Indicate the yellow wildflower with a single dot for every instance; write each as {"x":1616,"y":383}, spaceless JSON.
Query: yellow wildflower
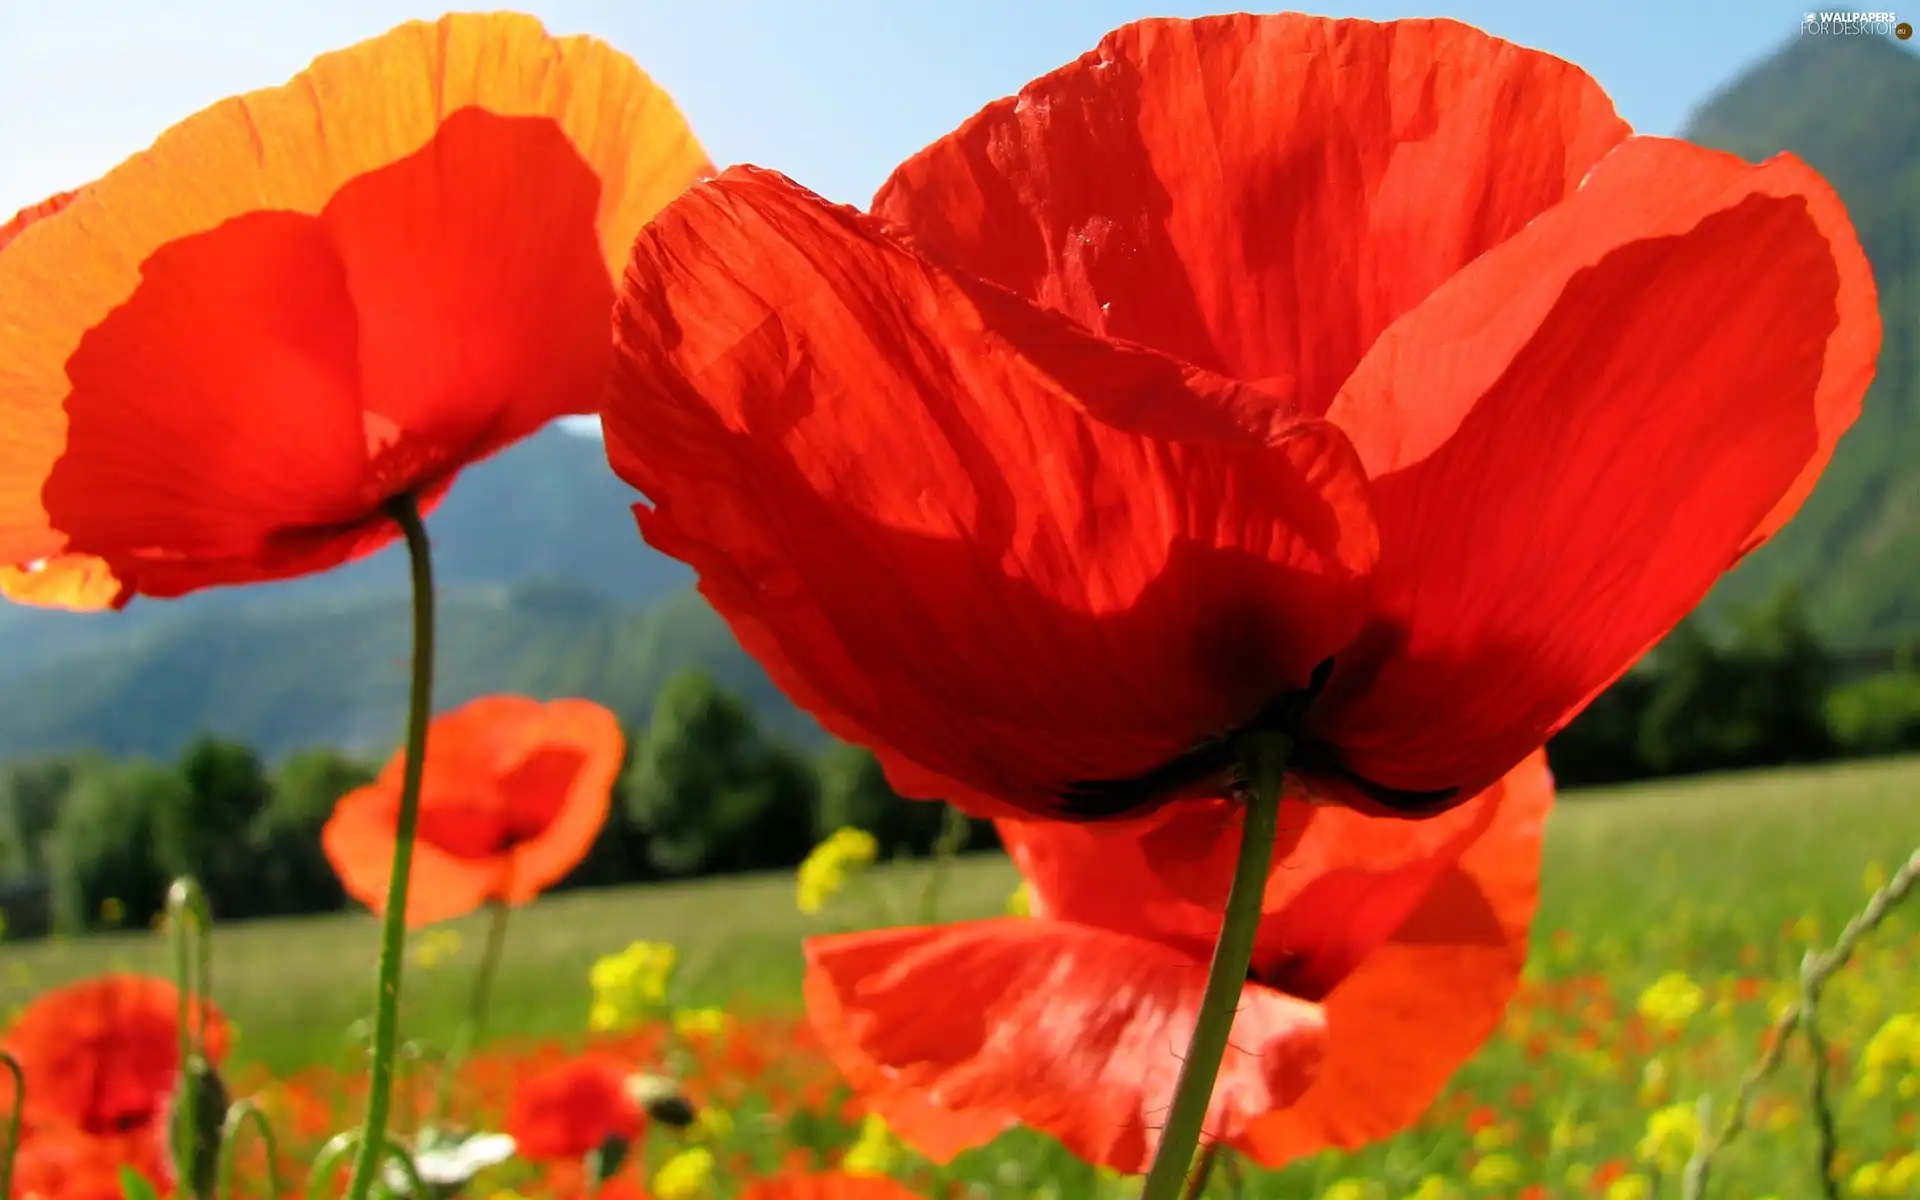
{"x":873,"y":1152}
{"x":1894,"y":1047}
{"x":1630,"y":1187}
{"x":1495,"y":1171}
{"x":826,"y":868}
{"x":1579,"y":1175}
{"x":1434,"y":1187}
{"x":1671,"y":1000}
{"x":1348,"y":1189}
{"x":713,"y":1125}
{"x":701,"y":1022}
{"x":1653,"y":1083}
{"x":1870,"y":1180}
{"x":1903,"y":1173}
{"x":688,"y":1175}
{"x":1672,"y":1133}
{"x":1020,"y":903}
{"x":628,"y":985}
{"x":1782,"y":1118}
{"x":1489,"y":1137}
{"x":436,"y":946}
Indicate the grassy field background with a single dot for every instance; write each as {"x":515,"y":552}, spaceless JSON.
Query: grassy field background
{"x":1721,"y":878}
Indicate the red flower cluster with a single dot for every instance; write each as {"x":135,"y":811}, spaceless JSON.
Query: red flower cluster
{"x":101,"y":1061}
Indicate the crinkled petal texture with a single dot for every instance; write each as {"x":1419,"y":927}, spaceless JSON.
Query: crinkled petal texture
{"x":1006,"y":553}
{"x":1586,"y":372}
{"x":1260,"y":196}
{"x":220,"y":360}
{"x":101,"y":1055}
{"x":514,"y":793}
{"x":1576,"y":435}
{"x":1066,"y":1028}
{"x":1423,"y":1001}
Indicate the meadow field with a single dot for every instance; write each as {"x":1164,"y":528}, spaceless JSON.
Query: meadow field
{"x":1672,"y":922}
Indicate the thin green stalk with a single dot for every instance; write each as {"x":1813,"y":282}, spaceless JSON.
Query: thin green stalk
{"x":1816,"y":968}
{"x":19,"y":1077}
{"x":393,"y":931}
{"x":954,"y":828}
{"x":239,"y":1115}
{"x":1265,"y":756}
{"x":1203,"y":1170}
{"x":470,"y":1029}
{"x":1828,"y":1144}
{"x":190,"y":926}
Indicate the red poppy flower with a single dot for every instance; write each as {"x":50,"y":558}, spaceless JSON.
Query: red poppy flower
{"x":219,"y":361}
{"x":1386,"y":956}
{"x":828,"y":1185}
{"x":1068,"y":462}
{"x":569,"y":1110}
{"x":57,"y":1163}
{"x":512,"y":796}
{"x":102,"y":1056}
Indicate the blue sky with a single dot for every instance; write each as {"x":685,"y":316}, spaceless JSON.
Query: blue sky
{"x":833,"y":92}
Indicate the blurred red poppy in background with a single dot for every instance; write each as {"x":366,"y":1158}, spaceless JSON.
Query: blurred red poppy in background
{"x":102,"y":1055}
{"x":513,"y":794}
{"x":1237,"y":346}
{"x":828,"y":1185}
{"x":569,"y":1110}
{"x":1385,"y":958}
{"x":219,"y":362}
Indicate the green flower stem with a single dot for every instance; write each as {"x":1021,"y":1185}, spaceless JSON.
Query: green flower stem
{"x":238,"y":1117}
{"x":19,"y":1077}
{"x":190,"y":926}
{"x":373,"y":1148}
{"x":1265,"y":756}
{"x":470,"y":1029}
{"x":954,"y":828}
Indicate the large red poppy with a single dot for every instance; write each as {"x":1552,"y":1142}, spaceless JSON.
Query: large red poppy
{"x":1073,"y":458}
{"x":513,"y":794}
{"x":102,"y":1056}
{"x":1386,"y":956}
{"x":221,"y":360}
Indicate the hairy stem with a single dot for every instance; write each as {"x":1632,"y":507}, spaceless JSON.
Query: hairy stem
{"x":470,"y":1029}
{"x":373,"y":1148}
{"x":1266,"y":756}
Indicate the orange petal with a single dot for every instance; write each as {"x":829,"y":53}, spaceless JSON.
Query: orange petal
{"x":1420,"y":1005}
{"x":1257,"y":195}
{"x":558,"y":794}
{"x":359,"y":840}
{"x":408,"y":250}
{"x":1072,"y":1030}
{"x":71,"y":581}
{"x":1572,"y":440}
{"x":1005,"y":553}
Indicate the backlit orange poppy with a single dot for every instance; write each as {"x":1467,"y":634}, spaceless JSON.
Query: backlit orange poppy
{"x":219,"y":361}
{"x":102,"y":1056}
{"x":566,"y":1111}
{"x":1368,"y":381}
{"x":1386,"y":955}
{"x":513,"y":794}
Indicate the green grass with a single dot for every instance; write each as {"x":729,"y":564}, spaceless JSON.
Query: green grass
{"x":1722,"y":878}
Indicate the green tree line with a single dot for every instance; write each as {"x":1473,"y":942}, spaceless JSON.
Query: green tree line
{"x":87,"y":840}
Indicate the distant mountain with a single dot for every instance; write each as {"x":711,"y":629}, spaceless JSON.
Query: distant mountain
{"x":1849,"y":106}
{"x":547,"y":588}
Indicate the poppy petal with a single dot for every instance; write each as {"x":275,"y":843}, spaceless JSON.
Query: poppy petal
{"x":409,"y":249}
{"x":828,"y":1185}
{"x":1422,"y":1003}
{"x":1572,"y":439}
{"x":1006,"y":554}
{"x":562,"y":791}
{"x":1072,"y":1030}
{"x":1256,"y":195}
{"x":358,"y":840}
{"x":71,"y":581}
{"x":938,"y":1133}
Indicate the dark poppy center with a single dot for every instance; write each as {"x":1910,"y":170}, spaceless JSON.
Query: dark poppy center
{"x":1222,"y":759}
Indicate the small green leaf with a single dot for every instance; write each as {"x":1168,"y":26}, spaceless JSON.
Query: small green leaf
{"x":134,"y":1185}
